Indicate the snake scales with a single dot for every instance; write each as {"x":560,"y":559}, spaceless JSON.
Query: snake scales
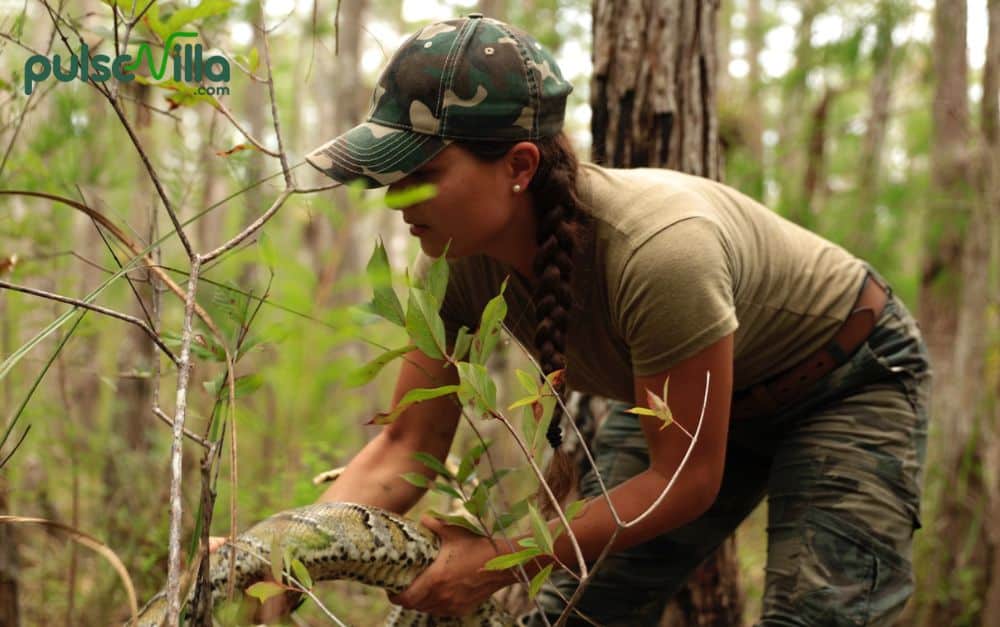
{"x":336,"y":541}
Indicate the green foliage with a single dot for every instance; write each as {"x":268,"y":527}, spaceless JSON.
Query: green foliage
{"x":385,"y":302}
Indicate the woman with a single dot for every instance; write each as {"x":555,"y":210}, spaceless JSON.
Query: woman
{"x":818,"y":375}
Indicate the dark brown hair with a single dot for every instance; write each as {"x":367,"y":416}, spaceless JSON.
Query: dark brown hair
{"x":562,"y":227}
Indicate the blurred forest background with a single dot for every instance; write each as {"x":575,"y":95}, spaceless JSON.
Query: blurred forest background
{"x":874,"y":123}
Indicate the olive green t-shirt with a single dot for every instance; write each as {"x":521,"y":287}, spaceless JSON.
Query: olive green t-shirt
{"x":675,"y":262}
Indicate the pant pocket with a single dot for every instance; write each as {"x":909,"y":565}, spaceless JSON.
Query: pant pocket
{"x":843,"y":576}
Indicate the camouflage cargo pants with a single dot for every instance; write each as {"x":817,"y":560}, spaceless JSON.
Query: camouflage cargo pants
{"x":842,"y":473}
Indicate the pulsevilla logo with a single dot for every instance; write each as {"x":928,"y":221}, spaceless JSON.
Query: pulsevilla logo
{"x":189,"y":65}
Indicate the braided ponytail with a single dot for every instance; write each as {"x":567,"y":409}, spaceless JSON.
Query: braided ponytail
{"x":561,"y":225}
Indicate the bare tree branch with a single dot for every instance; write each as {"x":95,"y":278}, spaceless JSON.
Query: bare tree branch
{"x":221,"y":108}
{"x":84,"y":305}
{"x":167,"y":420}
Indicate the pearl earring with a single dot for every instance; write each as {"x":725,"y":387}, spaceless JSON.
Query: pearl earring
{"x":517,"y":187}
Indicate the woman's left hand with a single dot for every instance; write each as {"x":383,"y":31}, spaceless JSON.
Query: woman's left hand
{"x":455,"y":584}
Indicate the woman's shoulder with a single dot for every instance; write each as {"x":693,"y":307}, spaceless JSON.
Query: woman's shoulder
{"x":633,"y":205}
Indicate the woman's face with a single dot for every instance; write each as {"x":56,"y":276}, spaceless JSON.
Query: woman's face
{"x":473,"y":206}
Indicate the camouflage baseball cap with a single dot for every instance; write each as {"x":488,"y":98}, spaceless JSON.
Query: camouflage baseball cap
{"x":471,"y":78}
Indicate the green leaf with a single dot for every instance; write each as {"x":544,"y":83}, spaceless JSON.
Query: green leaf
{"x":423,"y":323}
{"x":277,"y":564}
{"x":470,"y":459}
{"x":528,"y":382}
{"x":184,"y":94}
{"x":409,"y":196}
{"x":415,"y":395}
{"x":447,"y":490}
{"x":385,"y":303}
{"x":417,"y":479}
{"x":571,"y":513}
{"x":462,"y":342}
{"x":301,"y":573}
{"x":510,"y":560}
{"x":268,"y":252}
{"x":245,"y":385}
{"x":264,"y":590}
{"x":476,"y":505}
{"x":476,"y":386}
{"x":253,"y":60}
{"x":18,"y":28}
{"x":517,"y":511}
{"x":459,"y":521}
{"x":538,"y":581}
{"x":206,"y":8}
{"x":433,"y":463}
{"x":523,"y":402}
{"x":436,"y":280}
{"x":488,"y":333}
{"x":541,"y":530}
{"x":366,"y":373}
{"x":539,"y":442}
{"x":496,"y":477}
{"x":641,"y":411}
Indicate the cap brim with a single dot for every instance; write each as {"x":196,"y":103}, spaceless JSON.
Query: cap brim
{"x":377,"y":155}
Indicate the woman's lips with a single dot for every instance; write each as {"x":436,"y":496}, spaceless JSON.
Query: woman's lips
{"x":418,"y":229}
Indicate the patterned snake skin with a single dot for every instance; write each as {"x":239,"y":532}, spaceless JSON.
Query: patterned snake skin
{"x":336,"y":541}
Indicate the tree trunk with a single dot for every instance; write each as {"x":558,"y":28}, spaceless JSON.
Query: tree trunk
{"x":814,"y":182}
{"x":794,"y":127}
{"x":880,"y":98}
{"x":9,"y":611}
{"x":990,"y":208}
{"x":493,"y":8}
{"x":653,"y":101}
{"x":953,"y":309}
{"x":753,"y":115}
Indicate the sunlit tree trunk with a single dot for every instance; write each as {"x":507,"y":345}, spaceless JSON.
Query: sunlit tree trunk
{"x":335,"y":247}
{"x":653,"y":100}
{"x":989,"y":391}
{"x":880,"y":100}
{"x":794,"y":127}
{"x":953,"y":310}
{"x":753,"y":115}
{"x":814,"y":180}
{"x":493,"y":8}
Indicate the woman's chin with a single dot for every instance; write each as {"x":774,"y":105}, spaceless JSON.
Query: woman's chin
{"x":431,"y":248}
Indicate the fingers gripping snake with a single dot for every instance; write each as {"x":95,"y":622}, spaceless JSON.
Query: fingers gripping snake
{"x":335,"y":541}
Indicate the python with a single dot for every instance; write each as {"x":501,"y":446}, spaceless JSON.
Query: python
{"x":189,"y":66}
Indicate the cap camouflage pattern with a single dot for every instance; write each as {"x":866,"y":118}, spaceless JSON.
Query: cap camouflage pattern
{"x":472,"y":78}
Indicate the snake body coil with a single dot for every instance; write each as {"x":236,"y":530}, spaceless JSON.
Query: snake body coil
{"x":334,"y":541}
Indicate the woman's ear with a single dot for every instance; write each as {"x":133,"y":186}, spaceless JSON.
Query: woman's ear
{"x":522,"y":162}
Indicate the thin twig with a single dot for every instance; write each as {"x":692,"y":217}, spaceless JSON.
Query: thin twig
{"x":289,"y":181}
{"x":221,"y":108}
{"x":159,"y":413}
{"x":84,"y":305}
{"x":155,"y":178}
{"x":251,"y":229}
{"x":578,"y":593}
{"x":176,"y":449}
{"x":572,"y":422}
{"x":313,"y":190}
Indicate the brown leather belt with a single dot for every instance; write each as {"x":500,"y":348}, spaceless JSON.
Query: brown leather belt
{"x":791,"y":385}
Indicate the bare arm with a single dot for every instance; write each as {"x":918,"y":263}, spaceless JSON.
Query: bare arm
{"x":373,"y":476}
